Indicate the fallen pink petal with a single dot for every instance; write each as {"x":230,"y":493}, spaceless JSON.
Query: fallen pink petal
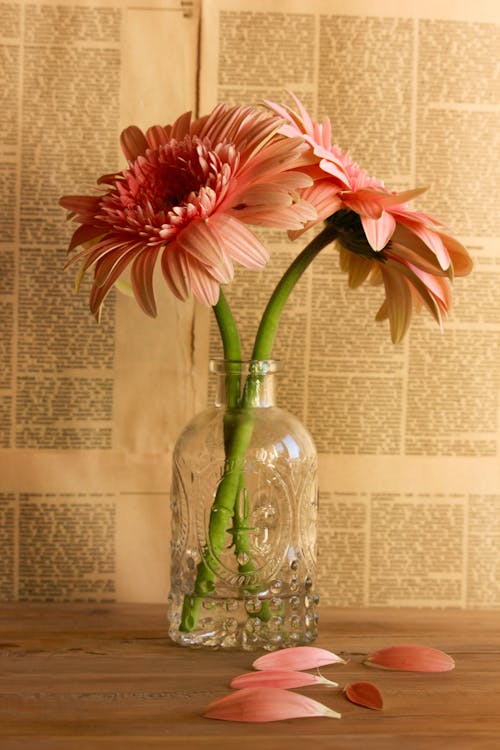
{"x":260,"y":704}
{"x":412,"y":658}
{"x":279,"y":678}
{"x":297,"y":658}
{"x":364,"y":694}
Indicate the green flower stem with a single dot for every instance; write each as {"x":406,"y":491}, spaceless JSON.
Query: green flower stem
{"x":238,"y":425}
{"x":220,"y":516}
{"x":243,"y":551}
{"x":236,"y":442}
{"x":272,"y":314}
{"x":231,"y":346}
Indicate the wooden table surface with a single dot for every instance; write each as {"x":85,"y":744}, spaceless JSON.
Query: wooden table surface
{"x":75,"y":677}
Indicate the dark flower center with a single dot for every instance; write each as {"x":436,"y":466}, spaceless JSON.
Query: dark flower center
{"x":352,"y":235}
{"x":172,"y":185}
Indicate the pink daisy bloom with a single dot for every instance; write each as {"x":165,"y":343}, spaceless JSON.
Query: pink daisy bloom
{"x":188,"y":193}
{"x":379,"y":236}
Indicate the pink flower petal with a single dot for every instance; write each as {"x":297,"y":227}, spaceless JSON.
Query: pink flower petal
{"x":239,"y":242}
{"x":142,"y":279}
{"x":84,"y":233}
{"x":398,"y":199}
{"x":411,"y":659}
{"x":202,"y":245}
{"x":365,"y":202}
{"x":364,"y":694}
{"x":157,"y":136}
{"x":176,"y":271}
{"x":461,"y":260}
{"x":258,"y":704}
{"x":84,"y":207}
{"x":430,"y":237}
{"x":203,"y":285}
{"x":398,"y":303}
{"x":324,"y":197}
{"x":379,"y":231}
{"x":297,"y":658}
{"x":279,"y":678}
{"x":133,"y":142}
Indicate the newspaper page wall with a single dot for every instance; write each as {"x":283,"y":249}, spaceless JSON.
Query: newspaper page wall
{"x":87,"y":421}
{"x":408,"y":435}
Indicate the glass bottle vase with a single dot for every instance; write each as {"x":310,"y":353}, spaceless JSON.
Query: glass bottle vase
{"x":244,"y":510}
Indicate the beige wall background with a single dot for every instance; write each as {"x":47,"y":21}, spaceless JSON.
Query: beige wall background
{"x":408,"y":436}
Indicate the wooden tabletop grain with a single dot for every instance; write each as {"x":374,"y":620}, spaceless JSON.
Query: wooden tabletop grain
{"x":95,"y":677}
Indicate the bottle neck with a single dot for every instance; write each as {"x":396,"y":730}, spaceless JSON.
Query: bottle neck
{"x":248,"y":383}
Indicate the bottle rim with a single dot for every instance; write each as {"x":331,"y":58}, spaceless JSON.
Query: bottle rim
{"x":221,"y":366}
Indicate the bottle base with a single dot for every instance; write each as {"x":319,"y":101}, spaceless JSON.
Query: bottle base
{"x":247,"y":624}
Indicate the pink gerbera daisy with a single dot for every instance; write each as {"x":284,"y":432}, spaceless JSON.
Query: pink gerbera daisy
{"x":188,"y":193}
{"x":379,"y":236}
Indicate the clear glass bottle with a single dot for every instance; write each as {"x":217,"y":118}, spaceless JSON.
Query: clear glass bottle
{"x":244,"y":508}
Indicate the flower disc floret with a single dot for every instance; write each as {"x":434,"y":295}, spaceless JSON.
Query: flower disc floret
{"x":166,"y":188}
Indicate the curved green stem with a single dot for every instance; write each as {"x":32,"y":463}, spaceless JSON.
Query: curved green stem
{"x":236,"y":438}
{"x":221,"y":515}
{"x":231,"y":345}
{"x":272,"y":314}
{"x":238,"y":427}
{"x":227,"y":327}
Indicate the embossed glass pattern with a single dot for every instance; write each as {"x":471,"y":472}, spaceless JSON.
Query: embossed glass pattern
{"x":262,"y":593}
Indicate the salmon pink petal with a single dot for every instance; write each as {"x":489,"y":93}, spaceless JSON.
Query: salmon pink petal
{"x":324,"y":196}
{"x":239,"y":242}
{"x":331,"y":167}
{"x":430,"y":238}
{"x":297,"y":658}
{"x":304,"y":114}
{"x":259,"y":704}
{"x":181,"y":127}
{"x":157,"y":136}
{"x":142,"y":280}
{"x":101,"y":288}
{"x":433,"y":291}
{"x":199,"y":242}
{"x":365,"y":202}
{"x":379,"y":231}
{"x":399,"y":302}
{"x":84,"y":207}
{"x":84,"y":233}
{"x":279,"y":678}
{"x":409,"y":247}
{"x":397,"y":199}
{"x":364,"y":694}
{"x":204,"y":285}
{"x":411,"y":659}
{"x":133,"y":142}
{"x":358,"y":269}
{"x":437,"y":286}
{"x":297,"y":217}
{"x":176,"y":271}
{"x":460,"y":258}
{"x":107,"y":179}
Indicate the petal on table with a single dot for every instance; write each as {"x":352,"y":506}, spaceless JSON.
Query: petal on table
{"x":412,"y":658}
{"x":279,"y":678}
{"x":297,"y":658}
{"x":260,"y":704}
{"x":364,"y":694}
